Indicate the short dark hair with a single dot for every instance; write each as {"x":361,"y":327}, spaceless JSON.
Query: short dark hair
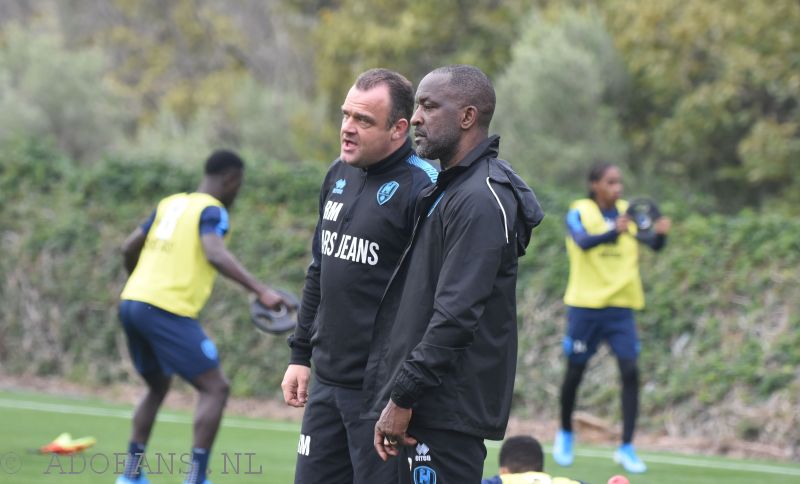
{"x":522,"y":454}
{"x":473,"y":87}
{"x":221,"y":161}
{"x":596,"y":172}
{"x":598,"y":169}
{"x":401,"y":91}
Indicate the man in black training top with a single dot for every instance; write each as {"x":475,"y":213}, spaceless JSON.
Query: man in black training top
{"x":366,"y":213}
{"x":443,"y":358}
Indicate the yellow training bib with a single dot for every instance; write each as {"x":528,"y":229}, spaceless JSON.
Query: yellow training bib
{"x":172,"y":272}
{"x":607,"y":274}
{"x":534,"y":478}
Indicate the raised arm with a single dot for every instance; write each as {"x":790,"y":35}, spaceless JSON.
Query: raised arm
{"x":581,"y":237}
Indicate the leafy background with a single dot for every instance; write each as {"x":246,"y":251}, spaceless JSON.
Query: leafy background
{"x":107,"y":106}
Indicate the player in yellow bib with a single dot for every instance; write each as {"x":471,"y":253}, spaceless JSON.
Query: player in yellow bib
{"x":603,"y":290}
{"x":173,"y":259}
{"x":522,"y":462}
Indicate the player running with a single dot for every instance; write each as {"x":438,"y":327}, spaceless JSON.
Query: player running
{"x":173,"y":259}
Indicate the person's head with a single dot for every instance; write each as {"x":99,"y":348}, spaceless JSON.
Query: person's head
{"x":605,"y":183}
{"x":375,"y":117}
{"x":224,"y":170}
{"x":455,"y":105}
{"x":521,"y":454}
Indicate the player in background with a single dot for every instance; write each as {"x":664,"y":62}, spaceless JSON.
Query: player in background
{"x":522,"y":462}
{"x":173,"y":259}
{"x":603,"y":290}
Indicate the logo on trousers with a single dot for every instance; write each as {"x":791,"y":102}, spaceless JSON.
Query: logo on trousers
{"x":424,"y":475}
{"x":304,"y":446}
{"x":422,"y":453}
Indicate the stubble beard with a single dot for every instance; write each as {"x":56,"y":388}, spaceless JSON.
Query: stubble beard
{"x":440,"y":148}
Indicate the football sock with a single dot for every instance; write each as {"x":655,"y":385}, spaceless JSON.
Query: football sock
{"x":197,"y":472}
{"x":133,"y":460}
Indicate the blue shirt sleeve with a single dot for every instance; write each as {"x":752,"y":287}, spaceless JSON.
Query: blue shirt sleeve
{"x":148,"y":223}
{"x":492,"y":480}
{"x":581,"y":237}
{"x":214,"y":219}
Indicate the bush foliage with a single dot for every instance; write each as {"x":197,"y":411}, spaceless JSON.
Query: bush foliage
{"x":107,"y":106}
{"x":719,"y":334}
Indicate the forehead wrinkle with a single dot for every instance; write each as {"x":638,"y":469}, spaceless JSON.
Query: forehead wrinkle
{"x":365,"y":106}
{"x":438,"y":88}
{"x":358,"y":114}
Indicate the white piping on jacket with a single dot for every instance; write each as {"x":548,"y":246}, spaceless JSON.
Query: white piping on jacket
{"x":505,"y":219}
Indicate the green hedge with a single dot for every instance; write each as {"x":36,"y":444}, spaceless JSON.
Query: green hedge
{"x":720,"y":334}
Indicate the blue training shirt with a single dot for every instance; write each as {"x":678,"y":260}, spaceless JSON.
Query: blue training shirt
{"x":212,"y":219}
{"x":586,"y":241}
{"x":583,"y":239}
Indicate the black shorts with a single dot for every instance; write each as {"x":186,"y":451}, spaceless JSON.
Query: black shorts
{"x":336,"y":446}
{"x":442,"y":457}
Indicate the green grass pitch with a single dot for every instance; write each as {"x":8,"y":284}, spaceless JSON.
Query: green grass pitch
{"x":254,"y":450}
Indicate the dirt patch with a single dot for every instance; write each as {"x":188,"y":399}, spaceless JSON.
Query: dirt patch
{"x":590,"y":428}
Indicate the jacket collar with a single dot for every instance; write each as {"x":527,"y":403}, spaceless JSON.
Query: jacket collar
{"x":488,"y":148}
{"x":383,"y":165}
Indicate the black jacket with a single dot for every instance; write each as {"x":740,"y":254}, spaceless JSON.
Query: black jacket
{"x":365,"y":221}
{"x":445,"y":339}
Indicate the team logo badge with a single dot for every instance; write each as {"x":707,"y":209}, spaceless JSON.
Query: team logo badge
{"x":209,"y":349}
{"x":386,"y":191}
{"x":339,"y":186}
{"x":424,"y":475}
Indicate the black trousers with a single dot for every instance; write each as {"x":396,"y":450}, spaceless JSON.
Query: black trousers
{"x":336,"y":446}
{"x":442,"y":457}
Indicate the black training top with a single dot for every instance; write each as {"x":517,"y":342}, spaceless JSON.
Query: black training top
{"x":445,"y":341}
{"x":365,"y":221}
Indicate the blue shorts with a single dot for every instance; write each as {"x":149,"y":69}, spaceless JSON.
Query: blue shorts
{"x":588,"y":327}
{"x":163,"y":343}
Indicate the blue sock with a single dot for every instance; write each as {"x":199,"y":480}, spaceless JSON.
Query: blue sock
{"x":197,"y":472}
{"x":133,"y":461}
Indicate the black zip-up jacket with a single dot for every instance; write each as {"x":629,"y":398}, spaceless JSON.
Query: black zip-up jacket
{"x":445,"y":340}
{"x":365,"y":221}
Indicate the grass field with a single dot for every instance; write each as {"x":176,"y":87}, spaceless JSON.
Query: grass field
{"x":253,"y":450}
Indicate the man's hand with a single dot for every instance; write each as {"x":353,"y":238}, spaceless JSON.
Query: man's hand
{"x":295,"y":385}
{"x":271,"y":299}
{"x":390,"y":431}
{"x":621,"y":223}
{"x":662,"y":225}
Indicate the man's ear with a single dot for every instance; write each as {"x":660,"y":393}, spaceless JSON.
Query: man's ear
{"x":400,"y":129}
{"x":503,"y":470}
{"x":469,"y":117}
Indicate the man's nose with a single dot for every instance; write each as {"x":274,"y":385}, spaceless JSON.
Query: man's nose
{"x":348,"y":125}
{"x":416,"y":118}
